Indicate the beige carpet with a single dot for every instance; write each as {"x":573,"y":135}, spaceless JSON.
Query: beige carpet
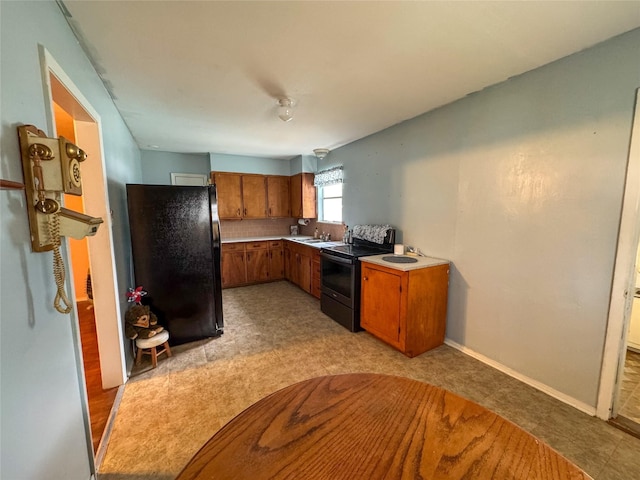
{"x":275,"y":335}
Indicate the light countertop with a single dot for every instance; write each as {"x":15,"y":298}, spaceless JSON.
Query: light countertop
{"x":422,"y":262}
{"x":264,"y":238}
{"x":302,"y":239}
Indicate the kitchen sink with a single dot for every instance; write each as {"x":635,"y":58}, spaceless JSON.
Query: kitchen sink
{"x":311,"y":240}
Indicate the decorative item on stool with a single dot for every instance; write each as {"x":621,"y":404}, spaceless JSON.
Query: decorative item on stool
{"x":149,"y":346}
{"x":141,"y":326}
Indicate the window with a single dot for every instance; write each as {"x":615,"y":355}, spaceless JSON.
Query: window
{"x":330,"y":201}
{"x":329,"y":183}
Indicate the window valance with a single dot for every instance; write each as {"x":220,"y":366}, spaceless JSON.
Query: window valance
{"x":328,"y":177}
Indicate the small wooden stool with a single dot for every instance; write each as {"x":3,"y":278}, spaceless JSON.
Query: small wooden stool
{"x":149,"y":346}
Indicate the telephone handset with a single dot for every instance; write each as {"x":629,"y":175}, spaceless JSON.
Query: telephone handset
{"x":51,"y":166}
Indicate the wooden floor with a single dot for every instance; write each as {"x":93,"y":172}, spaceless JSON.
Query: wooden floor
{"x":100,"y":401}
{"x":628,"y":418}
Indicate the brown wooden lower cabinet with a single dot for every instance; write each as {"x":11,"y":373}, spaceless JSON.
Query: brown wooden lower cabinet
{"x":234,"y":267}
{"x":298,"y":264}
{"x":406,"y":309}
{"x":246,"y":263}
{"x":257,"y":261}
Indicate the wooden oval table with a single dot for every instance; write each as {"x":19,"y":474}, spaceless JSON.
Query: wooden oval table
{"x":369,"y":426}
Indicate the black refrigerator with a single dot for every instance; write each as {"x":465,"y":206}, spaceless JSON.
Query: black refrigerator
{"x":175,"y":239}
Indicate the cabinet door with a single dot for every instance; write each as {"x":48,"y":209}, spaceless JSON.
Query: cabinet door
{"x":286,"y":250}
{"x":254,"y":196}
{"x":229,"y":187}
{"x":233,"y":268}
{"x":276,"y":260}
{"x":304,"y":273}
{"x":303,"y":196}
{"x":309,"y":196}
{"x":315,"y":274}
{"x":278,"y":201}
{"x":296,"y":196}
{"x":257,"y":265}
{"x":294,"y":270}
{"x":380,"y":306}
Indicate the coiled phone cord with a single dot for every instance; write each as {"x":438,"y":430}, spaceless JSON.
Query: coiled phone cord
{"x":58,"y":266}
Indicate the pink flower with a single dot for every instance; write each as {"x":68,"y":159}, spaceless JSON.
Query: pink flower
{"x":135,"y":295}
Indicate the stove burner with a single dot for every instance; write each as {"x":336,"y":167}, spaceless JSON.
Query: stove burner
{"x":355,"y":251}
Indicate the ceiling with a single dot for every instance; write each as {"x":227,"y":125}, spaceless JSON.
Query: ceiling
{"x":205,"y":76}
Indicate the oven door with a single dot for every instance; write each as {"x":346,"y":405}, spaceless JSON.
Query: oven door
{"x":337,"y":278}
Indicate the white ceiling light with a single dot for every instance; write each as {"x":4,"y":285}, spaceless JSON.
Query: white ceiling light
{"x":285,"y":110}
{"x":321,"y":152}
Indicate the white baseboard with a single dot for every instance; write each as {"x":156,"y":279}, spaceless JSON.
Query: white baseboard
{"x":563,"y":397}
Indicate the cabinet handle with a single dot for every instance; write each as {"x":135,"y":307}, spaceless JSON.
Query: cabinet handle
{"x":238,"y":212}
{"x":366,"y":278}
{"x":269,"y":210}
{"x":248,"y":257}
{"x":245,"y":212}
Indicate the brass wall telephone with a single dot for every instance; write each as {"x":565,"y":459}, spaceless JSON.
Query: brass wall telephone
{"x":51,"y":166}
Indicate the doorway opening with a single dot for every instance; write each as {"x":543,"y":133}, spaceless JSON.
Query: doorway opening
{"x":618,"y":375}
{"x":626,"y":411}
{"x":100,"y":400}
{"x":99,"y":346}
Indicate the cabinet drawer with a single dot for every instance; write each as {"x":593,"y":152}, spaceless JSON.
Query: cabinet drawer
{"x":233,"y":247}
{"x":275,"y":244}
{"x":256,"y":245}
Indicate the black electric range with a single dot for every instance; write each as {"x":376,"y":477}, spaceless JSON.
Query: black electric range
{"x":354,"y":251}
{"x":340,"y":278}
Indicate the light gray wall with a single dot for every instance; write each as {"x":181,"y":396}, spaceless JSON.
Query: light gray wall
{"x":220,"y":162}
{"x":265,"y":166}
{"x":42,"y":429}
{"x":157,"y":167}
{"x":520,"y":186}
{"x":303,"y":163}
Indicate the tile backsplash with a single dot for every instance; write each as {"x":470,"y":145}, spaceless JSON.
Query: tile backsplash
{"x":335,"y":229}
{"x":275,"y":226}
{"x":255,"y":228}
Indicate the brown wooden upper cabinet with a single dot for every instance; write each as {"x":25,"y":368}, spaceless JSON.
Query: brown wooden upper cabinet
{"x":240,"y":195}
{"x":254,"y":196}
{"x":278,"y":202}
{"x":229,"y":189}
{"x":303,"y":196}
{"x":243,"y":195}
